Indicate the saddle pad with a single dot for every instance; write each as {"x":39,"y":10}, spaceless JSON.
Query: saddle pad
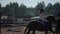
{"x":43,"y":21}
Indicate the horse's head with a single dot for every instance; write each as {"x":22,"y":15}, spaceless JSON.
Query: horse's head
{"x":50,"y":18}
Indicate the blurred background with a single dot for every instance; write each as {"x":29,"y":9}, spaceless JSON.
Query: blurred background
{"x":16,"y":14}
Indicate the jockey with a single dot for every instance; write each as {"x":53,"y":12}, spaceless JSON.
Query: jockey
{"x":42,"y":17}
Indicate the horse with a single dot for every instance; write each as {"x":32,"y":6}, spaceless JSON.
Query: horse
{"x":35,"y":25}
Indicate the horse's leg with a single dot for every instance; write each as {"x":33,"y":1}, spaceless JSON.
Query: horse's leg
{"x":59,"y":32}
{"x":46,"y":32}
{"x":56,"y":31}
{"x":33,"y":32}
{"x":52,"y":31}
{"x":28,"y":31}
{"x":25,"y":30}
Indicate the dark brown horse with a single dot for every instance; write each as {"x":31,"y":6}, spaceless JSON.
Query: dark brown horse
{"x":35,"y":25}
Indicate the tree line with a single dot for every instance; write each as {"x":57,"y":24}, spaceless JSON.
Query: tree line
{"x":23,"y":11}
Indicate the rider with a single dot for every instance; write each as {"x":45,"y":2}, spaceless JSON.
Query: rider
{"x":42,"y":17}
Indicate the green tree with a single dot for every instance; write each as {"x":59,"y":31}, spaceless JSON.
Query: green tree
{"x":12,"y":8}
{"x":30,"y":12}
{"x":7,"y":10}
{"x":52,"y":9}
{"x":23,"y":9}
{"x":39,"y":7}
{"x":0,"y":7}
{"x":16,"y":10}
{"x":56,"y":8}
{"x":48,"y":9}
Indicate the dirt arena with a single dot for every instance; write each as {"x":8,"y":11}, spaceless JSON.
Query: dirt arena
{"x":16,"y":30}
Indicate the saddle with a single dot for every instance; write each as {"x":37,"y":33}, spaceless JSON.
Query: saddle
{"x":43,"y":21}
